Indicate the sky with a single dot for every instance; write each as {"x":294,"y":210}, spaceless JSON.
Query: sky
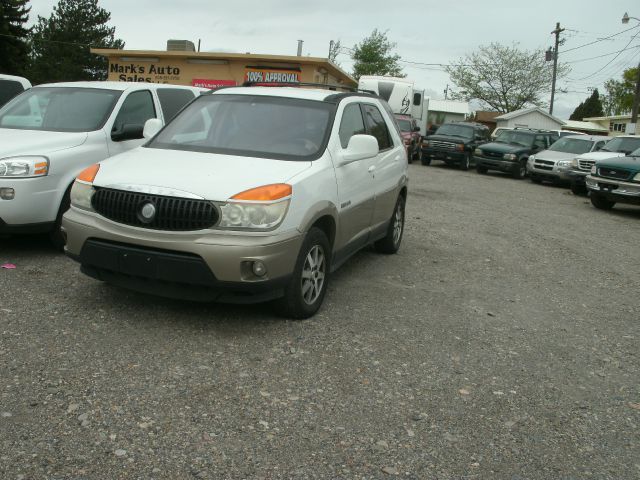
{"x":425,"y":32}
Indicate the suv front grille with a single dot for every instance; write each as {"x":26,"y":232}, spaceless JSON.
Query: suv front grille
{"x":543,"y":164}
{"x":615,"y":173}
{"x":171,"y":213}
{"x":586,"y":165}
{"x":490,"y":154}
{"x":442,"y":145}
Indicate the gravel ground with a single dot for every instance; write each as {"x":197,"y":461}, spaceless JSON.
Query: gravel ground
{"x":502,"y":342}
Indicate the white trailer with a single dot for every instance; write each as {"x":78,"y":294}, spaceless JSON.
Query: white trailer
{"x":401,"y":95}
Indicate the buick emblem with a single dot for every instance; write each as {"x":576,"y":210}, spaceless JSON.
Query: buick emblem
{"x":147,"y":212}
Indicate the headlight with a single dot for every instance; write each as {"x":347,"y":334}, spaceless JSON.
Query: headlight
{"x":260,"y":208}
{"x":593,"y":170}
{"x":564,"y":163}
{"x":82,"y":189}
{"x":24,"y":167}
{"x":574,"y":163}
{"x":81,"y":194}
{"x":510,"y":156}
{"x":460,"y":147}
{"x":637,"y":177}
{"x":425,"y":143}
{"x":532,"y":158}
{"x":477,"y":151}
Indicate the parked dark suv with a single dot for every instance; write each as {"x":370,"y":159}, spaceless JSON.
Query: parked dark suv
{"x":454,"y":143}
{"x":510,"y":150}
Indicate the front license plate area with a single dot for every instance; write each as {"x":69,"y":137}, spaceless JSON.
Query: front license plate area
{"x":137,"y":264}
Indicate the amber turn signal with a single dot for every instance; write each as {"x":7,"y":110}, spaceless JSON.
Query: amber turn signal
{"x":275,"y":191}
{"x":89,"y":173}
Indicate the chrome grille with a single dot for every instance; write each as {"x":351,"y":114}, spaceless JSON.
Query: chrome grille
{"x":615,"y":173}
{"x":490,"y":154}
{"x":543,"y":164}
{"x":586,"y":164}
{"x":172,"y":213}
{"x":442,"y":145}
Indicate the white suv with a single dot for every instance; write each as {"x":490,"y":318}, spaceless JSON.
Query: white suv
{"x":249,"y":194}
{"x":50,"y":133}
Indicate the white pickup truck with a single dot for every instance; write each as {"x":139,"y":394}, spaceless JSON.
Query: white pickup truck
{"x":51,"y":132}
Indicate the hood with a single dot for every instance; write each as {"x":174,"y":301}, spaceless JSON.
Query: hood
{"x":600,"y":155}
{"x":192,"y":174}
{"x":34,"y":142}
{"x":447,"y":138}
{"x":554,"y":156}
{"x":628,"y":163}
{"x":502,"y":148}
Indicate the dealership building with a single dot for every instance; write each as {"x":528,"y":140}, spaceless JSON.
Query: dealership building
{"x":180,"y":64}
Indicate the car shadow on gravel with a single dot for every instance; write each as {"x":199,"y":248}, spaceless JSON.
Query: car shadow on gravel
{"x":27,"y":244}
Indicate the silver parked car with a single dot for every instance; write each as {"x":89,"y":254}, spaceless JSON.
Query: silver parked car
{"x":554,"y":164}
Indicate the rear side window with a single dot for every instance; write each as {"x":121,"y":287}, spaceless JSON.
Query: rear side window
{"x":351,"y":124}
{"x":377,"y":127}
{"x":136,"y":110}
{"x":8,"y":90}
{"x":172,"y":100}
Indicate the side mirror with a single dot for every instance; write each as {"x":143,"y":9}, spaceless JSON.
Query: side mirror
{"x":359,"y":148}
{"x":151,"y":127}
{"x":128,"y":131}
{"x":416,"y":128}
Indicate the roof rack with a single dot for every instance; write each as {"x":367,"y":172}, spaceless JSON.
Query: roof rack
{"x":300,"y":84}
{"x":532,"y":129}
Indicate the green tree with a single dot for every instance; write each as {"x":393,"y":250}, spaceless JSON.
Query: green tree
{"x":374,"y":56}
{"x":61,"y":43}
{"x":591,"y":107}
{"x":620,"y":93}
{"x":504,"y":78}
{"x":14,"y":47}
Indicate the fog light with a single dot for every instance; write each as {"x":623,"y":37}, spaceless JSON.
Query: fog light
{"x":259,"y":268}
{"x":7,"y":193}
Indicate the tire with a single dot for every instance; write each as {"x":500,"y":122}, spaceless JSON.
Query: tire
{"x":601,"y":202}
{"x":308,"y":285}
{"x":55,"y":236}
{"x":481,"y":170}
{"x":535,"y":179}
{"x":418,"y":155}
{"x":466,"y":162}
{"x":391,"y":241}
{"x":426,"y":160}
{"x":579,"y":189}
{"x":521,"y":171}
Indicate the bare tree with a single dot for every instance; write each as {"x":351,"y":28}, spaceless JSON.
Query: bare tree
{"x":504,"y":78}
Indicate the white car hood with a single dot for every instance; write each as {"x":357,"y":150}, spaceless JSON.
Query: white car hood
{"x":34,"y":142}
{"x":192,"y":174}
{"x":554,"y":156}
{"x":600,"y":155}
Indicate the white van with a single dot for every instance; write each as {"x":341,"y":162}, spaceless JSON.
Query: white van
{"x":51,"y":132}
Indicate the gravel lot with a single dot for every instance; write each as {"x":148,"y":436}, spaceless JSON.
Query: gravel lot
{"x":502,"y":342}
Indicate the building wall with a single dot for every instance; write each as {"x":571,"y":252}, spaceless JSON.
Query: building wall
{"x":157,"y":68}
{"x":438,"y":118}
{"x":616,"y":126}
{"x":530,"y":120}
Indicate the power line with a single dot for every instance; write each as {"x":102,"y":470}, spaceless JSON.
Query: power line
{"x":610,"y":61}
{"x":601,"y":40}
{"x":604,"y":55}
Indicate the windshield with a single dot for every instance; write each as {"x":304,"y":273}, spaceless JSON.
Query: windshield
{"x":515,"y":138}
{"x":59,"y":109}
{"x":622,"y":144}
{"x":405,"y":125}
{"x":250,"y":125}
{"x":572,"y":145}
{"x":455,"y":130}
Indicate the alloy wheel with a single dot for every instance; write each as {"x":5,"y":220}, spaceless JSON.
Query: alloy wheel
{"x":313,"y":274}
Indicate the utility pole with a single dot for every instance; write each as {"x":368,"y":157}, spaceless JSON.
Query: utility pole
{"x":446,"y":92}
{"x":557,"y":33}
{"x":330,"y":49}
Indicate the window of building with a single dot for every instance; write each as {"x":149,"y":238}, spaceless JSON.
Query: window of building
{"x":617,"y":127}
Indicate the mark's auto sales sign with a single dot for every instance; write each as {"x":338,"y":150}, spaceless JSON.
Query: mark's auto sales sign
{"x":261,"y":75}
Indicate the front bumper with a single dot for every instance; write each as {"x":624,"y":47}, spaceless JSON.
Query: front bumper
{"x":624,"y":192}
{"x":445,"y":155}
{"x":549,"y":172}
{"x":34,"y":207}
{"x":509,"y":166}
{"x":205,"y":265}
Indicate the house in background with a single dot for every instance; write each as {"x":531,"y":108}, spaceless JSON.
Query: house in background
{"x":615,"y":124}
{"x":486,"y":118}
{"x":533,"y":117}
{"x":442,"y":111}
{"x":590,"y":128}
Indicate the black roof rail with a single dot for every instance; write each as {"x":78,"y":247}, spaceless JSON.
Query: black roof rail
{"x":328,"y":86}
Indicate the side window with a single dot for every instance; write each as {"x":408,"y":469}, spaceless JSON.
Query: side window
{"x":8,"y":90}
{"x":417,"y":99}
{"x":598,"y":146}
{"x":539,"y":142}
{"x":172,"y":100}
{"x":377,"y":127}
{"x":136,"y":109}
{"x":351,"y":124}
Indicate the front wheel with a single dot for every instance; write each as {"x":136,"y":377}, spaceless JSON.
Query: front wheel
{"x":521,"y":171}
{"x":578,"y":189}
{"x":308,"y":285}
{"x":535,"y":179}
{"x":426,"y":159}
{"x":418,"y":154}
{"x":481,"y":170}
{"x":56,"y":236}
{"x":601,"y":202}
{"x":391,"y":242}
